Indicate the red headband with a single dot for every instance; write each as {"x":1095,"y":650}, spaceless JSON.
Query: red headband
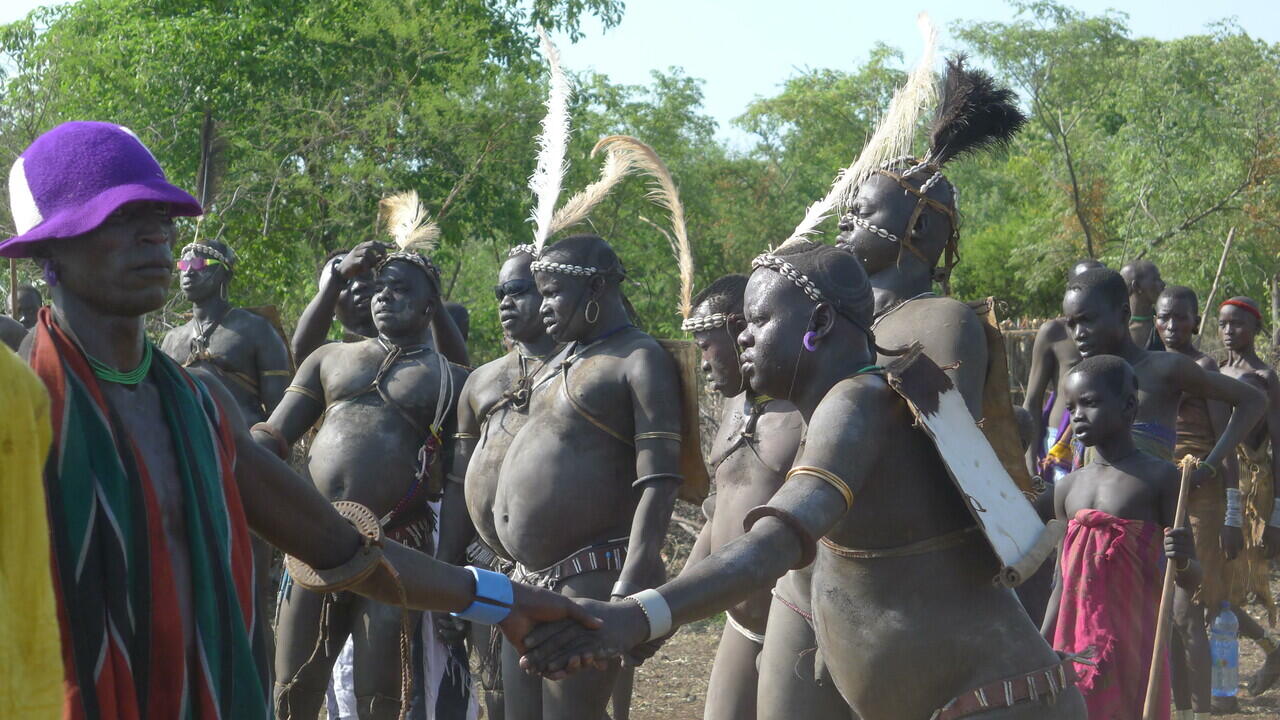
{"x":1244,"y":306}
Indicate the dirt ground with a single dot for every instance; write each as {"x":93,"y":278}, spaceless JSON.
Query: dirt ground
{"x":672,"y":685}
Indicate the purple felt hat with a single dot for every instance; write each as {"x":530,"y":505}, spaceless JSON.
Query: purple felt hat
{"x":74,"y":176}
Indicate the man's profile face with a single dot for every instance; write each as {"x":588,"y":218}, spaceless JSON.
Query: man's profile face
{"x":564,"y":301}
{"x":1097,"y":411}
{"x":124,"y":266}
{"x":1237,"y":327}
{"x":403,"y":299}
{"x":720,"y":356}
{"x":777,"y":315}
{"x":883,"y":203}
{"x":519,"y":304}
{"x":1098,"y":328}
{"x":1176,"y":320}
{"x":354,"y":298}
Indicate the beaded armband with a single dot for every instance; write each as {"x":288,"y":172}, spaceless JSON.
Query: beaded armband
{"x":1234,"y":516}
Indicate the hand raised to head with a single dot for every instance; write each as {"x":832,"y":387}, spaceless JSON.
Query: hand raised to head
{"x":556,"y":651}
{"x":531,"y":606}
{"x":362,"y":258}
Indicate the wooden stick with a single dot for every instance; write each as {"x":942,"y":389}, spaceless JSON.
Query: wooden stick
{"x":1222,"y":262}
{"x":1163,"y":619}
{"x":13,"y":287}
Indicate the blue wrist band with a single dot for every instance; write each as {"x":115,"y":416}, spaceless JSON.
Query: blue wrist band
{"x":493,"y":598}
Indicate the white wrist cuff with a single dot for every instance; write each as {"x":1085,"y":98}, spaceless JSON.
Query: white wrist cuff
{"x":1235,"y":514}
{"x":655,"y":610}
{"x":1275,"y":516}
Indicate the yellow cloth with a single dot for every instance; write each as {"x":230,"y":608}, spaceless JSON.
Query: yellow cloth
{"x":30,"y":649}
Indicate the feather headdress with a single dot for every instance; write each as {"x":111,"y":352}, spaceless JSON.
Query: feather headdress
{"x":892,"y":136}
{"x":553,"y":144}
{"x":406,"y":221}
{"x":619,"y":162}
{"x":664,"y":193}
{"x":974,"y":115}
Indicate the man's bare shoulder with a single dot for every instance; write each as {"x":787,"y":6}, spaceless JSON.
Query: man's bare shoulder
{"x":1053,"y":329}
{"x":867,"y":393}
{"x":493,"y":370}
{"x":249,"y":321}
{"x":11,"y":332}
{"x":643,"y":354}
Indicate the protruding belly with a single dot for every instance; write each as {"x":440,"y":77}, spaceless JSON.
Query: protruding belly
{"x":564,"y":484}
{"x":366,"y":454}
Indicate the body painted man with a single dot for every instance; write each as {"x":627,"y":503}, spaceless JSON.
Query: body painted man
{"x":869,"y":498}
{"x":754,"y":445}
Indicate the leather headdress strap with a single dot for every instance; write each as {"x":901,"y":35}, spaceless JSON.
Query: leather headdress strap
{"x":951,"y":253}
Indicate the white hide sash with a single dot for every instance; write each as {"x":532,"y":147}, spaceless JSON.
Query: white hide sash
{"x":1011,"y":525}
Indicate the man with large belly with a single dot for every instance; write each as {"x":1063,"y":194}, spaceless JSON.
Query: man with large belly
{"x":586,"y":491}
{"x":908,"y":621}
{"x":493,"y":407}
{"x":384,"y":402}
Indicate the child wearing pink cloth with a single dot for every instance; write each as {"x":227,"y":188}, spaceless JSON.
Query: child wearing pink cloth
{"x":1118,"y":509}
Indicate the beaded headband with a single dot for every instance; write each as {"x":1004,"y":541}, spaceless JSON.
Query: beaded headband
{"x":423,"y":263}
{"x":702,"y":323}
{"x":526,"y":248}
{"x":209,"y":251}
{"x":563,"y":269}
{"x":789,"y":271}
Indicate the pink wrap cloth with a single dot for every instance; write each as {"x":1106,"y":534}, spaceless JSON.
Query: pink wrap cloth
{"x":1112,"y":574}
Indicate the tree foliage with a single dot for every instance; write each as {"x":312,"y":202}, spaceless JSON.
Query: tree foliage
{"x":1137,"y":147}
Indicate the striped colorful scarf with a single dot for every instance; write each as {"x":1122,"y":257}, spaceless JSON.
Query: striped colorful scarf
{"x":123,"y":638}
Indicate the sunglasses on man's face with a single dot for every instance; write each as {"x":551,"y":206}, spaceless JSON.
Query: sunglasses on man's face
{"x":197,"y":262}
{"x":512,"y":288}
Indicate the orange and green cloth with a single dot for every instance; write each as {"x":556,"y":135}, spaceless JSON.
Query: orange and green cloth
{"x":123,"y":646}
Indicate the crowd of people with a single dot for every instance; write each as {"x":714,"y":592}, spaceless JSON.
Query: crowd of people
{"x":509,"y":519}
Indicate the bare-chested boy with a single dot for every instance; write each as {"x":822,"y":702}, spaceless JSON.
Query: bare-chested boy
{"x":1145,"y":286}
{"x":755,"y":444}
{"x":1199,"y":425}
{"x":1247,"y":576}
{"x":494,"y":405}
{"x":1096,"y":309}
{"x":586,"y":490}
{"x":1053,"y":353}
{"x":1119,"y":509}
{"x":386,"y":402}
{"x":908,"y":620}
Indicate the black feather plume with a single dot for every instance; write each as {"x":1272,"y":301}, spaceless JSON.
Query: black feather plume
{"x":212,"y":161}
{"x":975,"y":114}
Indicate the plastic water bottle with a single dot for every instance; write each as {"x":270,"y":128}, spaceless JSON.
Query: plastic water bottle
{"x":1224,"y":647}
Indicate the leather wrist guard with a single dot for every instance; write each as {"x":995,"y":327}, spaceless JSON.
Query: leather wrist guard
{"x":353,"y":571}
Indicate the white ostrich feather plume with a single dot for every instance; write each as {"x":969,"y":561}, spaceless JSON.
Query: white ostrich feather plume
{"x":407,"y":222}
{"x":891,"y":139}
{"x":553,"y":145}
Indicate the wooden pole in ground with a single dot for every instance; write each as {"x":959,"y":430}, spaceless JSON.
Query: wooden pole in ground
{"x":13,"y":287}
{"x":1208,"y":303}
{"x":1164,"y":619}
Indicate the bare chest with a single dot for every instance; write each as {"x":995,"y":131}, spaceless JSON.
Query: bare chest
{"x":409,"y":384}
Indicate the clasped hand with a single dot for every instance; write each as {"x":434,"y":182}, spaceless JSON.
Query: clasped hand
{"x":557,"y":649}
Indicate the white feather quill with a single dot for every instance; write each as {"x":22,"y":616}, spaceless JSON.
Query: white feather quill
{"x":553,"y":145}
{"x":892,"y":137}
{"x":619,"y":162}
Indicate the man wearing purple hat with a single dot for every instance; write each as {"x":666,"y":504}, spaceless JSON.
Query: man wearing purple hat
{"x":153,"y":481}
